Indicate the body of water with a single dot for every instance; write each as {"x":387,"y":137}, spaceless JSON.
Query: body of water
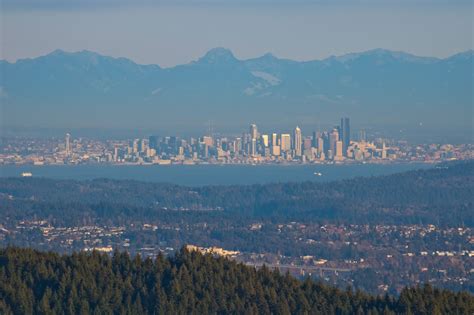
{"x":197,"y":175}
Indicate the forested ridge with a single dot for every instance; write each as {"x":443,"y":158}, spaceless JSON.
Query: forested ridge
{"x":442,"y":195}
{"x":33,"y":282}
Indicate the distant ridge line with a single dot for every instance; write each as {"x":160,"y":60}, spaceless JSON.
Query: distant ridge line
{"x":268,"y":55}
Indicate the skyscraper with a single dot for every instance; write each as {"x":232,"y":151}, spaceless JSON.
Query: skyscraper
{"x":245,"y":142}
{"x":339,"y":147}
{"x":143,"y":145}
{"x":307,"y":143}
{"x":68,"y":144}
{"x":237,"y":145}
{"x":297,"y":141}
{"x":116,"y":153}
{"x":320,"y":146}
{"x":285,"y":142}
{"x":253,"y":131}
{"x":265,"y":140}
{"x":208,"y":141}
{"x":274,"y":139}
{"x":384,"y":151}
{"x":314,"y":140}
{"x":345,"y":134}
{"x":333,"y":138}
{"x":134,"y":145}
{"x":326,"y":146}
{"x":153,"y":142}
{"x":253,"y":147}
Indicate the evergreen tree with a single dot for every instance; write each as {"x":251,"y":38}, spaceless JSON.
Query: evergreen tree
{"x":189,"y":283}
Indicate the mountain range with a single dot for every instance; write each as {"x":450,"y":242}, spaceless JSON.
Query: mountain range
{"x":86,"y":89}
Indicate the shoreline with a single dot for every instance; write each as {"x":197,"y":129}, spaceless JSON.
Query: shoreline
{"x":209,"y":174}
{"x":230,"y":164}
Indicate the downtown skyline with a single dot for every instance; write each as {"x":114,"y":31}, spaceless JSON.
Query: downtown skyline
{"x":336,"y":145}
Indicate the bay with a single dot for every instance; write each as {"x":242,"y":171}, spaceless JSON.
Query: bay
{"x":198,"y":175}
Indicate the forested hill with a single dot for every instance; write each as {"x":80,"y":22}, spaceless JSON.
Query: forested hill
{"x":442,"y":195}
{"x":188,"y":283}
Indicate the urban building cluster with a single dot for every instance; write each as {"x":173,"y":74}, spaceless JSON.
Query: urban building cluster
{"x":252,"y":147}
{"x":373,"y":257}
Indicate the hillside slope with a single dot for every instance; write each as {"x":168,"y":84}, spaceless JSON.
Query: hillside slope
{"x":189,"y":283}
{"x":440,"y":195}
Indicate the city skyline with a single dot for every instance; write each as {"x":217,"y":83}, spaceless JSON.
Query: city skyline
{"x":336,"y":145}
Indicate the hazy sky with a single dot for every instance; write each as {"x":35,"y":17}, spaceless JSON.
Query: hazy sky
{"x":168,"y":34}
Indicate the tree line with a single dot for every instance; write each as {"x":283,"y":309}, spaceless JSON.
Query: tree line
{"x":33,"y":282}
{"x":436,"y":196}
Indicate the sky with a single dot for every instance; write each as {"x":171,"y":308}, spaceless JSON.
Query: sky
{"x":168,"y":33}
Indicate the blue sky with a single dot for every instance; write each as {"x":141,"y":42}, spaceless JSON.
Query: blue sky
{"x":169,"y":32}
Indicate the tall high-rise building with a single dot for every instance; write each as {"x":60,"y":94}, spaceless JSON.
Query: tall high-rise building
{"x":238,"y":145}
{"x":205,"y":150}
{"x":253,"y":147}
{"x":339,"y":148}
{"x":207,"y":140}
{"x":143,"y":145}
{"x":218,"y":143}
{"x":68,"y":144}
{"x":115,"y":157}
{"x":384,"y":151}
{"x":333,"y":138}
{"x":253,"y":131}
{"x":314,"y":140}
{"x":274,"y":139}
{"x":153,"y":142}
{"x":135,"y":145}
{"x":245,"y":141}
{"x":307,"y":143}
{"x":320,"y":146}
{"x":173,"y":144}
{"x":285,"y":142}
{"x":298,"y":141}
{"x":265,"y":140}
{"x":345,"y":134}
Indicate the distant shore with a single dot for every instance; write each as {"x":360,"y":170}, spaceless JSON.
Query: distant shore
{"x":212,"y":174}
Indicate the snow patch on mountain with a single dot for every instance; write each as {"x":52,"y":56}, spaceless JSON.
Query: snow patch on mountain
{"x":271,"y":79}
